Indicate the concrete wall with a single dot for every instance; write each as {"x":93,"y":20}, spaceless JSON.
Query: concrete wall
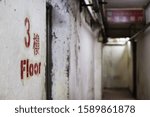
{"x":85,"y":74}
{"x":130,"y":67}
{"x":97,"y":70}
{"x":15,"y":18}
{"x":143,"y":63}
{"x":117,"y":67}
{"x":76,"y":53}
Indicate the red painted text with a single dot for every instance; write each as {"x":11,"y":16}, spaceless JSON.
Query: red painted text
{"x":29,"y":69}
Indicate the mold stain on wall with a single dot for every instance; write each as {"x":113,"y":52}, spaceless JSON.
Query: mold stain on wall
{"x":73,"y":63}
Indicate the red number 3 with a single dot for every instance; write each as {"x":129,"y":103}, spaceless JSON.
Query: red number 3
{"x":27,"y":39}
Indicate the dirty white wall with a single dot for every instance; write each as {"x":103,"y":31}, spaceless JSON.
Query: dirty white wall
{"x":117,"y":66}
{"x":130,"y":66}
{"x":61,"y":33}
{"x":13,"y":49}
{"x":86,"y":56}
{"x":97,"y":70}
{"x":74,"y":57}
{"x":143,"y":62}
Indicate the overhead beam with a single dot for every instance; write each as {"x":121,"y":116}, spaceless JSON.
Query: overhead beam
{"x":104,"y":21}
{"x":126,"y":29}
{"x":147,"y":4}
{"x":140,"y":32}
{"x":114,"y":44}
{"x":100,"y":14}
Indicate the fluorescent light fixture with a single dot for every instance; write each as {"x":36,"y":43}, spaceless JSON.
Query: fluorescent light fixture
{"x":118,"y":40}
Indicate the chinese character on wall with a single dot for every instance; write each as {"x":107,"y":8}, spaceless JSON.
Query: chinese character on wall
{"x":36,"y":44}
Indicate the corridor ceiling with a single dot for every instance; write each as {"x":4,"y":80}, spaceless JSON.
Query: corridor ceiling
{"x":124,"y":29}
{"x":126,"y":3}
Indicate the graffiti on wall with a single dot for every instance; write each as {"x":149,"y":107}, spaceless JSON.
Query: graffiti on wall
{"x":28,"y":68}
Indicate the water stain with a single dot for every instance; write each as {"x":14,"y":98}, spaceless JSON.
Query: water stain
{"x":54,"y":35}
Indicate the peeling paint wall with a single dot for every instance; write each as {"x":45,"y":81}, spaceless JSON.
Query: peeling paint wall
{"x":74,"y":53}
{"x":60,"y":48}
{"x":85,"y":79}
{"x":13,"y":30}
{"x":117,"y":67}
{"x":143,"y":62}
